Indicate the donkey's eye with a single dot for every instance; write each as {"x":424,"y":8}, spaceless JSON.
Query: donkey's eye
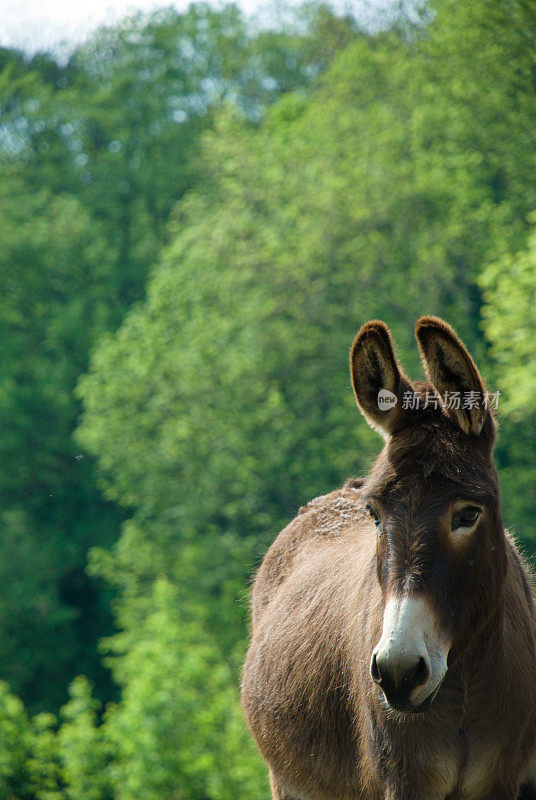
{"x":466,"y":517}
{"x":375,"y":517}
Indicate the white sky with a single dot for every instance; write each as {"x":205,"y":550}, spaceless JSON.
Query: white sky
{"x":41,"y":24}
{"x":44,"y":24}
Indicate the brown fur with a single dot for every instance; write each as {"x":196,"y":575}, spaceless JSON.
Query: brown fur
{"x":318,"y":600}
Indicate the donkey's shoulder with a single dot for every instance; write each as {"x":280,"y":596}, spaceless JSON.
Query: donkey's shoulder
{"x":326,"y":517}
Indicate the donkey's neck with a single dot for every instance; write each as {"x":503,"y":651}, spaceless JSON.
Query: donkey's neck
{"x":481,"y":664}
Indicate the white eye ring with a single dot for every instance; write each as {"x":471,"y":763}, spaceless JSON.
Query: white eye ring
{"x":464,"y":520}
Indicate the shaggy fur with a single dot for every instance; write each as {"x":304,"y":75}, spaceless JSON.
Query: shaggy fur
{"x":319,"y":720}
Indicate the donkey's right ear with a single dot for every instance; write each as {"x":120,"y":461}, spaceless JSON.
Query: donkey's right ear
{"x":379,"y":383}
{"x":449,"y":368}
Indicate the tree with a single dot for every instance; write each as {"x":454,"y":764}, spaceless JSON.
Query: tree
{"x":509,"y":286}
{"x":178,"y":730}
{"x":96,"y":153}
{"x":49,"y":500}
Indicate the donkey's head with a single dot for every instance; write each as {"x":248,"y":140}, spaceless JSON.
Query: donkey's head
{"x":434,"y":498}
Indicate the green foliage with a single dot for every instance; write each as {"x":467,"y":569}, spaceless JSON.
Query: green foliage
{"x":15,"y":745}
{"x":49,"y":502}
{"x":94,"y":156}
{"x":43,"y":762}
{"x":178,"y":731}
{"x":509,"y":285}
{"x":83,"y":750}
{"x":509,"y":321}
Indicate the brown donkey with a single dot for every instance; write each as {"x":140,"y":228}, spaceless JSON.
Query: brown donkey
{"x":393,"y":652}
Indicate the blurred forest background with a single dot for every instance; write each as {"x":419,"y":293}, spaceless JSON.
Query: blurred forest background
{"x":196,"y":216}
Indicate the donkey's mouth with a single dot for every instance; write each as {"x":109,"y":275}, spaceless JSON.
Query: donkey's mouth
{"x":405,"y":706}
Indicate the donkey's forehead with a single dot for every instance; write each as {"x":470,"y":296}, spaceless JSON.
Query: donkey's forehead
{"x":433,"y":457}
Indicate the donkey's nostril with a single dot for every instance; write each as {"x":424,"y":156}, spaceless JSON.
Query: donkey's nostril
{"x":421,"y":674}
{"x":375,"y":670}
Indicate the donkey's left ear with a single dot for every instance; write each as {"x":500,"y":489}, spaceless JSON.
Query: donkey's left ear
{"x":378,"y":381}
{"x":451,"y":370}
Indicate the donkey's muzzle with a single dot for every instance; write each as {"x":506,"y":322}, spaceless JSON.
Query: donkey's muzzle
{"x":410,"y":660}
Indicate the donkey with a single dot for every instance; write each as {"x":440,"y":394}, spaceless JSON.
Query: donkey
{"x":393,"y":648}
